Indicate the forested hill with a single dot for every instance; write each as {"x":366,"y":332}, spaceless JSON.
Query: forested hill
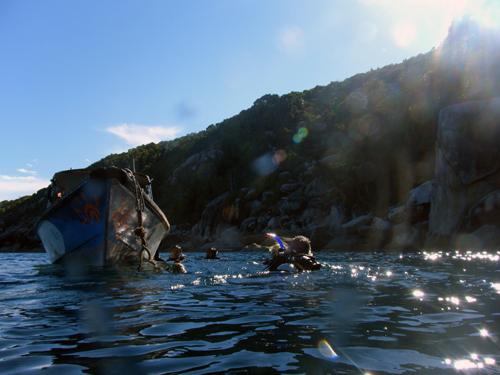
{"x":344,"y":149}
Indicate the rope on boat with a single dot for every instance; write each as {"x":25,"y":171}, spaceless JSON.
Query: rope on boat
{"x":140,"y":231}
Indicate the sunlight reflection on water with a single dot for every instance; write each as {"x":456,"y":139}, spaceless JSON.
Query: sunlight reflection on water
{"x":362,"y":313}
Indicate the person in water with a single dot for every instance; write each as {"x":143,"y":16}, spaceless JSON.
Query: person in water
{"x":212,"y":253}
{"x":177,"y":257}
{"x":296,"y":251}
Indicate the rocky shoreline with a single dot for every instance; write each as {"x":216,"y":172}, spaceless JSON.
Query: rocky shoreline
{"x":459,"y":208}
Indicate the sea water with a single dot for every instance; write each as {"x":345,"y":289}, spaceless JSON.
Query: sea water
{"x":362,"y":313}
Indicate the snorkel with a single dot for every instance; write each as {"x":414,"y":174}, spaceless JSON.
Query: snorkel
{"x":277,"y":238}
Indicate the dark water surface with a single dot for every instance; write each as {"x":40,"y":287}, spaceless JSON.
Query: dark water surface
{"x":379,"y":313}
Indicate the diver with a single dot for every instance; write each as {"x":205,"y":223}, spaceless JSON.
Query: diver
{"x":296,"y":251}
{"x":212,"y":253}
{"x":177,"y":257}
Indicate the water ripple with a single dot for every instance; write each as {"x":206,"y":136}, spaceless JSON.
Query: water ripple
{"x":376,"y":312}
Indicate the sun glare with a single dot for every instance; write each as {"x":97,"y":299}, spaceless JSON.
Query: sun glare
{"x":414,"y":22}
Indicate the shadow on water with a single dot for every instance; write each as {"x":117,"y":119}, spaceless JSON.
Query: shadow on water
{"x":375,"y":312}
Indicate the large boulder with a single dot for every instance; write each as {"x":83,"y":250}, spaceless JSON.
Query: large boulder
{"x":210,"y":217}
{"x":485,"y":237}
{"x":290,"y":187}
{"x":290,"y":206}
{"x":397,"y":214}
{"x":256,"y":207}
{"x":418,"y":204}
{"x":357,"y":224}
{"x":335,"y":218}
{"x":317,"y":188}
{"x":379,"y":233}
{"x":249,"y":224}
{"x":406,"y":237}
{"x":420,"y":195}
{"x":467,"y":165}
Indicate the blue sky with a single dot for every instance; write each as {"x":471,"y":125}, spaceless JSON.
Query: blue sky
{"x":82,"y":79}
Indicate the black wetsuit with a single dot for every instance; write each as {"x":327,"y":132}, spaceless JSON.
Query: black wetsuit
{"x":303,"y":262}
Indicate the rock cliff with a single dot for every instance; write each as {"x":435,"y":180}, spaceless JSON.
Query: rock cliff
{"x":467,"y":178}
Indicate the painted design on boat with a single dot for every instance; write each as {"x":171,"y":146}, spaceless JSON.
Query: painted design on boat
{"x":101,"y":216}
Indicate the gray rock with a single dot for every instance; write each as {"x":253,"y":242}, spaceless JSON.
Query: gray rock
{"x":285,"y":221}
{"x":352,"y":226}
{"x":309,"y":173}
{"x":379,"y":233}
{"x":397,"y":215}
{"x":320,"y":235}
{"x":285,"y":176}
{"x":329,"y":160}
{"x":312,"y":216}
{"x":418,"y":203}
{"x":486,"y":211}
{"x":406,"y":237}
{"x":251,"y":194}
{"x":345,"y":243}
{"x":262,"y":222}
{"x":255,"y":208}
{"x":296,"y":195}
{"x":467,"y":164}
{"x":255,"y":247}
{"x":422,"y":194}
{"x":273,"y":223}
{"x":487,"y":237}
{"x":317,"y":188}
{"x":210,"y":217}
{"x":230,"y":237}
{"x":335,"y":218}
{"x":382,"y":225}
{"x":290,"y":206}
{"x":288,"y":188}
{"x":249,"y":224}
{"x":267,"y":197}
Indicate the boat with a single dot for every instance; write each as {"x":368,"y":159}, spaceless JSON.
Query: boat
{"x":101,"y":216}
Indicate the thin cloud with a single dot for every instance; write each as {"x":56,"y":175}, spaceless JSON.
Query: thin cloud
{"x":136,"y":135}
{"x":291,"y":39}
{"x":12,"y":187}
{"x":26,"y":171}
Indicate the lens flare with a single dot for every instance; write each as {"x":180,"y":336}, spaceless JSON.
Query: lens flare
{"x":326,"y":350}
{"x":404,"y":34}
{"x":301,"y":134}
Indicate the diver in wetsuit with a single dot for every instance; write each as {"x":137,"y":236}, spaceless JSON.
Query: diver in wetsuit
{"x":212,"y":253}
{"x":177,"y":257}
{"x":296,"y":251}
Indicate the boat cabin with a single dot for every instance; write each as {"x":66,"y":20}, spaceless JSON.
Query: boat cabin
{"x":65,"y":182}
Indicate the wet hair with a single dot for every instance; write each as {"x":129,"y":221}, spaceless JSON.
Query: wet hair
{"x":301,"y":244}
{"x":212,"y":253}
{"x":177,"y":252}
